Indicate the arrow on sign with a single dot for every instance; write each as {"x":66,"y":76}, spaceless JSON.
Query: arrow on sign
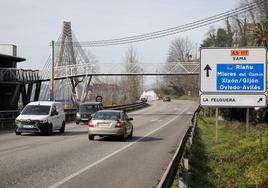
{"x":207,"y":68}
{"x":260,"y":99}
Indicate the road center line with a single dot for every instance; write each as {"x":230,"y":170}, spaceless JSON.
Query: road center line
{"x":112,"y":154}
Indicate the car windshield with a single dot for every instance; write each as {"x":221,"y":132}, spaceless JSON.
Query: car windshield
{"x":36,"y":110}
{"x":107,"y":115}
{"x":88,"y":108}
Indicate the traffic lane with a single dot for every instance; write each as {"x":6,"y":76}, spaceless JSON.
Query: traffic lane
{"x":48,"y":161}
{"x":140,"y":165}
{"x":41,"y":166}
{"x":160,"y":112}
{"x":137,"y":138}
{"x":10,"y":142}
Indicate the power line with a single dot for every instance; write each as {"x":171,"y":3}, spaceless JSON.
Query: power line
{"x":237,"y":10}
{"x":173,"y":30}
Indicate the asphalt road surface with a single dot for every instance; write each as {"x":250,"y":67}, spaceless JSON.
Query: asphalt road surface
{"x":71,"y":160}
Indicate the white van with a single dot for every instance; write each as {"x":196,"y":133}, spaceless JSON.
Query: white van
{"x":41,"y":117}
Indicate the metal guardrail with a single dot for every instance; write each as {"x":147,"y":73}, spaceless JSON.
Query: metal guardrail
{"x":128,"y":107}
{"x":7,"y":118}
{"x":8,"y":115}
{"x":70,"y":113}
{"x":172,"y":169}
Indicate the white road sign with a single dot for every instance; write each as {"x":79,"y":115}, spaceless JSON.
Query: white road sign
{"x":233,"y":100}
{"x":233,"y":70}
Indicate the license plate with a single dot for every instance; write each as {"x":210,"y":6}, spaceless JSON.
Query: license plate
{"x":103,"y":125}
{"x":27,"y":126}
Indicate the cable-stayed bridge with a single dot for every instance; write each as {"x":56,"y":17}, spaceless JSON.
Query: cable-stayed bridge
{"x":75,"y":74}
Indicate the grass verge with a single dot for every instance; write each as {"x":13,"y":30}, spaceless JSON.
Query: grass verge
{"x":236,"y":160}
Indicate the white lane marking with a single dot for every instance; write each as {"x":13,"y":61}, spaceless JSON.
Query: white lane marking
{"x":112,"y":154}
{"x":156,"y":120}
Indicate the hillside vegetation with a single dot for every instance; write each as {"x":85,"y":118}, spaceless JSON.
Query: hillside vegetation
{"x":238,"y":159}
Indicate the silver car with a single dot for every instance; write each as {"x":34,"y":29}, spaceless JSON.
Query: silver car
{"x":110,"y":123}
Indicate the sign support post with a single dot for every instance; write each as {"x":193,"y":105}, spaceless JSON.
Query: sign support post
{"x":217,"y":122}
{"x":247,"y":120}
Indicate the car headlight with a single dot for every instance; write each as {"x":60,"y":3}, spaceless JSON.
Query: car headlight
{"x":17,"y":122}
{"x":78,"y":115}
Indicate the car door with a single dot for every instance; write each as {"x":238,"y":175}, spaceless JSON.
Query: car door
{"x":127,"y":124}
{"x":55,"y":117}
{"x":59,"y":115}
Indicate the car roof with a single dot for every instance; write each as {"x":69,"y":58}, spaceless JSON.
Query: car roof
{"x":87,"y":103}
{"x":49,"y":103}
{"x":110,"y":111}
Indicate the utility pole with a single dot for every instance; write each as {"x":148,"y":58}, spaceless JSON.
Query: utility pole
{"x":52,"y":72}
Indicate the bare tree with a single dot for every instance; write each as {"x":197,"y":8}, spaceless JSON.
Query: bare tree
{"x":132,"y":84}
{"x":180,"y":50}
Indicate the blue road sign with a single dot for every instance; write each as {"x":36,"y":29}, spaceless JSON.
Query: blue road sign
{"x":240,"y":77}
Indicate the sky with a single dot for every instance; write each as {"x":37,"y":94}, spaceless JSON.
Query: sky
{"x":32,"y":24}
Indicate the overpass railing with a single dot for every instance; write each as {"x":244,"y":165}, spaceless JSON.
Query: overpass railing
{"x":103,"y":69}
{"x":19,"y":75}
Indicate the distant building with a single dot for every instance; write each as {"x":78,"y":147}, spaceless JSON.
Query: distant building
{"x":150,"y":95}
{"x":15,"y":83}
{"x":9,"y":86}
{"x":8,"y":49}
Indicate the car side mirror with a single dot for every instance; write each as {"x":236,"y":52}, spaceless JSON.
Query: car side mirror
{"x":91,"y":116}
{"x":130,"y":119}
{"x":54,"y":113}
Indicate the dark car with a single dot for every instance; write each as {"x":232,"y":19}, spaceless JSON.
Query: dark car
{"x":86,"y":109}
{"x":166,"y":99}
{"x":143,"y":99}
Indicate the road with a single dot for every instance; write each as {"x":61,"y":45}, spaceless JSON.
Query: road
{"x":71,"y":160}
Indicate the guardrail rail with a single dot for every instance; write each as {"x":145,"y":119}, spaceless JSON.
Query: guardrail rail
{"x":70,"y":113}
{"x":170,"y":173}
{"x":7,"y":118}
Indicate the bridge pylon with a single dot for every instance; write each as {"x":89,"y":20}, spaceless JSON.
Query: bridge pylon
{"x":68,"y":52}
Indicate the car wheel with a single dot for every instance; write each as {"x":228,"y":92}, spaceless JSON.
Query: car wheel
{"x":91,"y":137}
{"x":77,"y":123}
{"x":18,"y":133}
{"x":131,"y":133}
{"x":49,"y":130}
{"x":62,"y":129}
{"x":124,"y":136}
